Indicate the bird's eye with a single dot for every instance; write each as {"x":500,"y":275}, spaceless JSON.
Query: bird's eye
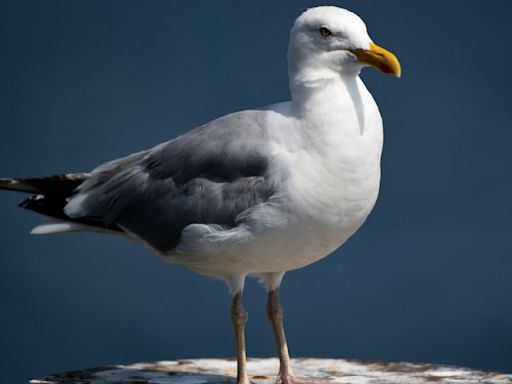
{"x":325,"y":32}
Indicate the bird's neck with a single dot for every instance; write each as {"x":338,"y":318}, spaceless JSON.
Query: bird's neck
{"x":330,"y":101}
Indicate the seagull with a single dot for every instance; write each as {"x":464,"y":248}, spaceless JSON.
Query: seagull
{"x":254,"y":193}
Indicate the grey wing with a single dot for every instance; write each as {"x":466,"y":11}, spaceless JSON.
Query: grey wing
{"x":210,"y":175}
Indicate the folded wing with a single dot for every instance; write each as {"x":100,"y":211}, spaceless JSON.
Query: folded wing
{"x":211,"y":175}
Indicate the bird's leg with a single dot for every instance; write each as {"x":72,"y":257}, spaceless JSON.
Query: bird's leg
{"x":239,"y":318}
{"x":275,"y":315}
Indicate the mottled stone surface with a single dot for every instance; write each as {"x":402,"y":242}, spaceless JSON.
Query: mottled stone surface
{"x":263,"y":371}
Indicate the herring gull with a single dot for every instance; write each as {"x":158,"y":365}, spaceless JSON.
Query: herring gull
{"x":254,"y":193}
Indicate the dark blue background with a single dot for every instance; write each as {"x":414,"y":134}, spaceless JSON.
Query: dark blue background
{"x":428,"y":278}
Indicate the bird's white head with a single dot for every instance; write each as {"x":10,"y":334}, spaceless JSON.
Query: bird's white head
{"x":330,"y":41}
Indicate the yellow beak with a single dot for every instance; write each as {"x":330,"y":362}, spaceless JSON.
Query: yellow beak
{"x":379,"y":58}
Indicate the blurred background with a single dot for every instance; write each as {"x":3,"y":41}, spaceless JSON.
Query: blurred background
{"x":427,"y":278}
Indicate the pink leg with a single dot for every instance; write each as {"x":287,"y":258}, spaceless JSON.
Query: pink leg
{"x":239,"y":318}
{"x":275,"y":315}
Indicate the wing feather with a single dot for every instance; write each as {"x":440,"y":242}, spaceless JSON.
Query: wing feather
{"x":210,"y":176}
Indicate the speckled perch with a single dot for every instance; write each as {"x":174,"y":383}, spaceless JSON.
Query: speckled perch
{"x":263,"y":371}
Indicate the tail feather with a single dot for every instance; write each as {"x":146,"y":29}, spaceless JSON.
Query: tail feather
{"x":57,"y":227}
{"x":50,"y":196}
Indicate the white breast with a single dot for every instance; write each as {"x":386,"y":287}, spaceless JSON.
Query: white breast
{"x":336,"y":175}
{"x":326,"y":164}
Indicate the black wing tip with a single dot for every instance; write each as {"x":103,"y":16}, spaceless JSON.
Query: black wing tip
{"x":54,"y":207}
{"x":29,"y":201}
{"x":17,"y":185}
{"x":61,"y":184}
{"x":50,"y":195}
{"x":5,"y":182}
